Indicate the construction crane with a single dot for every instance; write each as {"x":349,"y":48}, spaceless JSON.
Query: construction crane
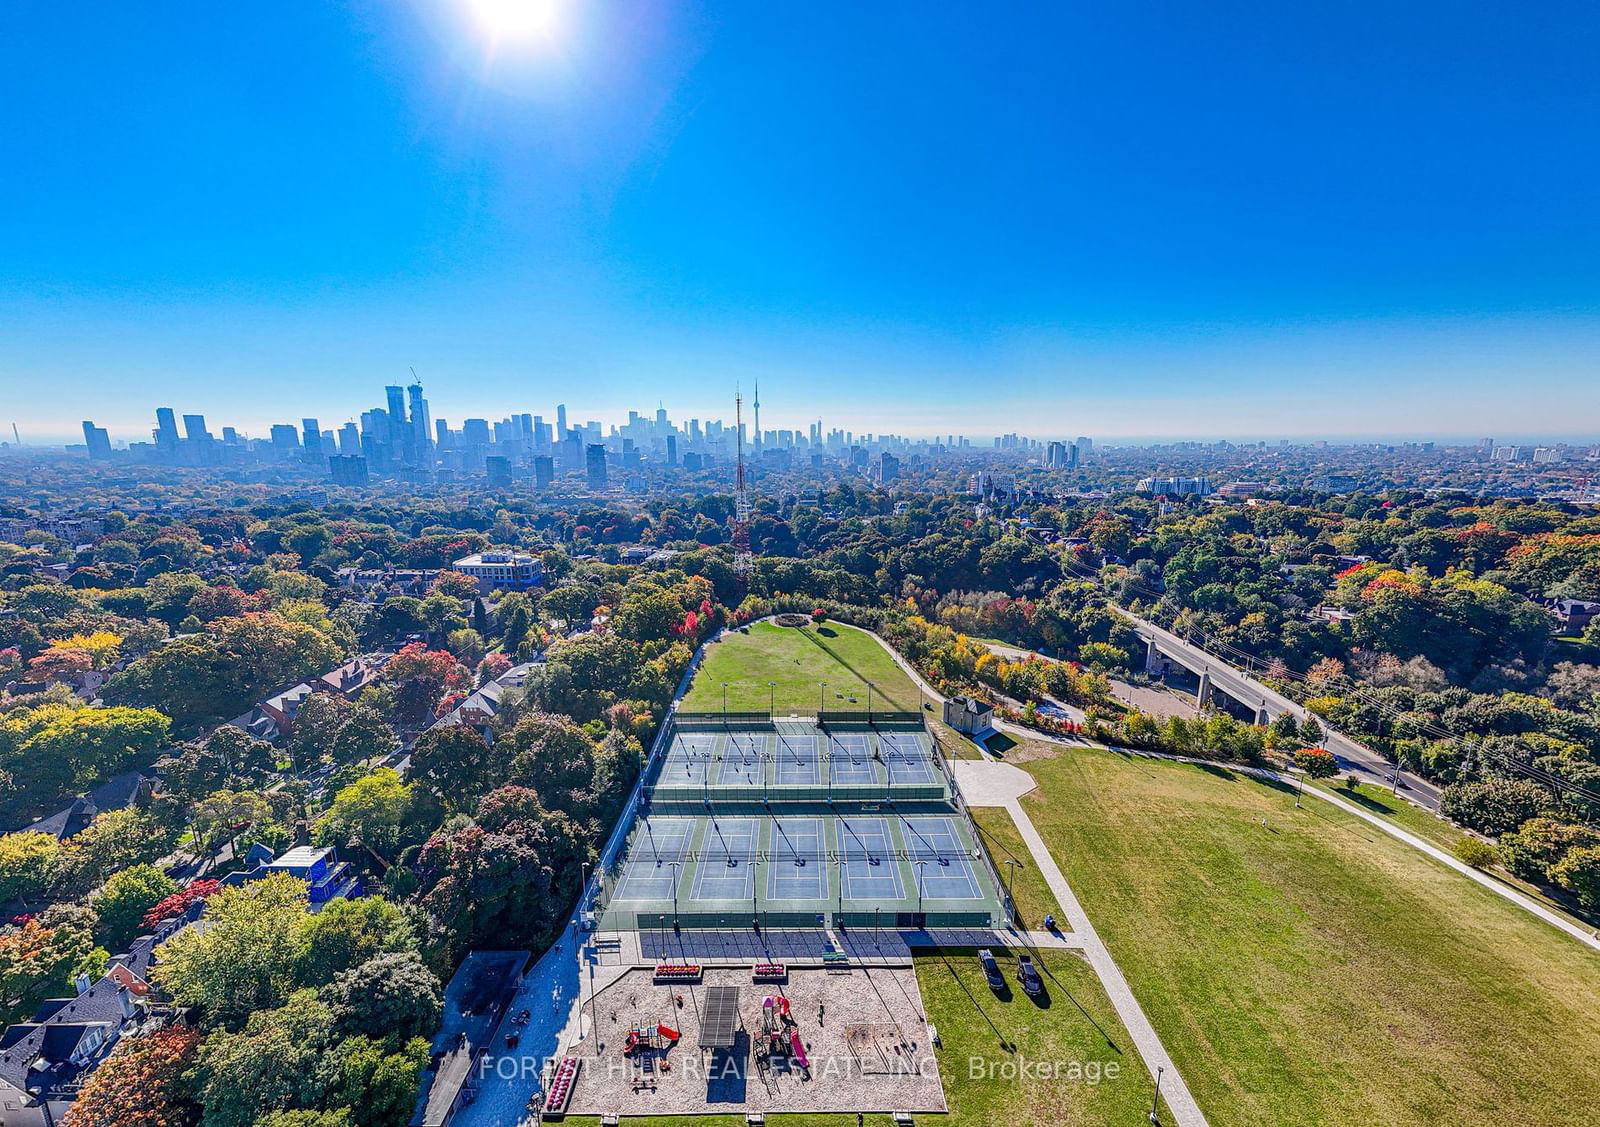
{"x":743,"y":558}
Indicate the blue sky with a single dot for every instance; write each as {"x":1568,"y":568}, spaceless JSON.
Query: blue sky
{"x":1231,"y":219}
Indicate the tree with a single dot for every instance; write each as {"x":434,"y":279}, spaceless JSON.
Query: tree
{"x":1493,"y":807}
{"x":1317,"y":763}
{"x":246,"y":957}
{"x":455,"y":763}
{"x":28,"y":865}
{"x":114,"y":841}
{"x":316,"y":726}
{"x":1539,"y":843}
{"x":364,"y":736}
{"x":392,"y":993}
{"x":175,"y":905}
{"x":378,"y":1085}
{"x":270,"y":1065}
{"x":225,"y":817}
{"x":347,"y":933}
{"x":554,"y":757}
{"x":373,"y":809}
{"x":217,"y":675}
{"x":40,"y":957}
{"x":1579,"y":873}
{"x":1311,"y":731}
{"x":123,"y":902}
{"x":142,"y":1084}
{"x":303,"y":1117}
{"x":466,"y":644}
{"x":1573,"y":686}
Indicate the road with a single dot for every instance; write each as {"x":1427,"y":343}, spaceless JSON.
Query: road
{"x":1352,"y":756}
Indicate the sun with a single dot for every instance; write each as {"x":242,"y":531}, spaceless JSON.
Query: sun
{"x":519,"y":19}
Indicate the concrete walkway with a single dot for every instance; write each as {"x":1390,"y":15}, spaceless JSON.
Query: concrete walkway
{"x":1001,"y":784}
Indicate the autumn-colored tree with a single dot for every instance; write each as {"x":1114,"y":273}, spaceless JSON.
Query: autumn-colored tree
{"x":142,"y":1084}
{"x":171,"y":907}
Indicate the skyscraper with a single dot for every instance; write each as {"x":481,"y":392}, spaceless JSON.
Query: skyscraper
{"x":166,"y":434}
{"x":311,"y":436}
{"x":544,"y":471}
{"x":420,"y":436}
{"x":561,"y":422}
{"x":98,"y":440}
{"x":596,"y":465}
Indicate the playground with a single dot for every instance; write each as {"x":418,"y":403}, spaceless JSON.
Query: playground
{"x":821,"y":1040}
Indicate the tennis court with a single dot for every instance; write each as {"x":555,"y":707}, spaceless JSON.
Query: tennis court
{"x":658,"y":843}
{"x":948,"y":873}
{"x":867,"y":862}
{"x":910,"y":760}
{"x":850,"y":761}
{"x":798,"y":763}
{"x":689,"y":758}
{"x":727,"y":861}
{"x":796,"y":867}
{"x":741,"y":767}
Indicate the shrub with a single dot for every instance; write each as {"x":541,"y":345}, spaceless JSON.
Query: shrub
{"x":1475,"y":852}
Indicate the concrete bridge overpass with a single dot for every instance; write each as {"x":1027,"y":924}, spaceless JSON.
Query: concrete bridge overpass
{"x":1163,"y":647}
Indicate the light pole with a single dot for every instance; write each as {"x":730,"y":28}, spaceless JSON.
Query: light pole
{"x":920,"y":866}
{"x":822,"y":697}
{"x":724,"y":702}
{"x":1154,"y":1118}
{"x":772,"y":698}
{"x":674,"y":865}
{"x":1011,"y":880}
{"x":869,"y":700}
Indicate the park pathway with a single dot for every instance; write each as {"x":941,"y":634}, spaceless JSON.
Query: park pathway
{"x":985,"y":783}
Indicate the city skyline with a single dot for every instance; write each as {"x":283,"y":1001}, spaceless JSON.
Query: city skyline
{"x":1133,"y":226}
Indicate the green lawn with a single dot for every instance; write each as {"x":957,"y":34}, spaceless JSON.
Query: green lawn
{"x":1303,"y":967}
{"x":1030,"y":891}
{"x":799,"y":661}
{"x":1438,"y":831}
{"x":1092,"y":1074}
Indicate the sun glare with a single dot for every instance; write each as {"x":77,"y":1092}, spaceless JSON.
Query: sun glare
{"x":518,"y":19}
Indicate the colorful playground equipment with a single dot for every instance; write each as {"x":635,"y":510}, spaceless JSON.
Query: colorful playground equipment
{"x":661,"y":1037}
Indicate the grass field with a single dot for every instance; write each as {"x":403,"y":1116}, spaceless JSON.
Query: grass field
{"x":1029,"y":890}
{"x":1303,"y":967}
{"x":799,"y":661}
{"x":1437,"y":831}
{"x":1100,"y":1080}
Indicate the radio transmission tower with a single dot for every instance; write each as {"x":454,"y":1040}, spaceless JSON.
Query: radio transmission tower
{"x":743,"y":558}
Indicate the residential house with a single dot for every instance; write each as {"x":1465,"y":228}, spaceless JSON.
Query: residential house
{"x":326,"y":877}
{"x":127,"y":789}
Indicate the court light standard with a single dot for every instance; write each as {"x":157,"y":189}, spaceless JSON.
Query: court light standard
{"x":724,"y":701}
{"x":920,"y":866}
{"x":1011,"y":880}
{"x":674,"y":865}
{"x":772,"y":698}
{"x":822,"y":697}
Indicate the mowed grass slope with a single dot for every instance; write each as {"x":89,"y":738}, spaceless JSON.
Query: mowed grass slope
{"x":1312,"y":969}
{"x":799,"y":660}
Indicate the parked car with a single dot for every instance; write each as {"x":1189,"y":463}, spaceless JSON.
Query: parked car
{"x":1028,"y":975}
{"x":991,"y":970}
